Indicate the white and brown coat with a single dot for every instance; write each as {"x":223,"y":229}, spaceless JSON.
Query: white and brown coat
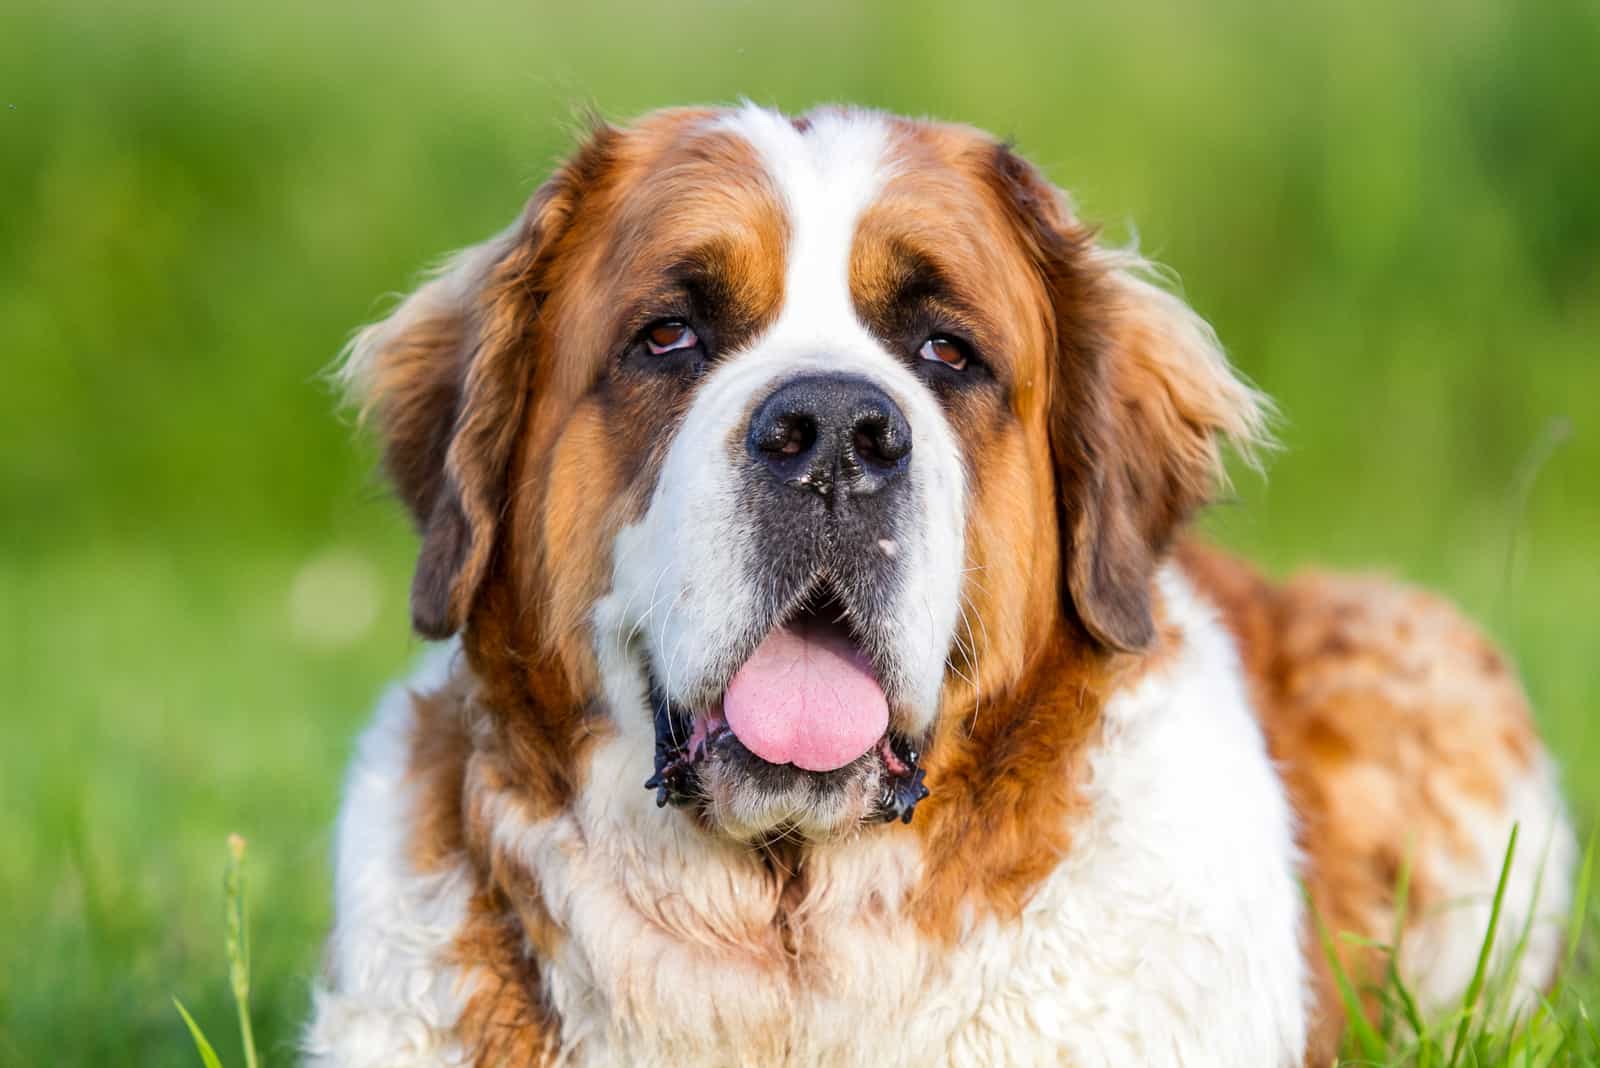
{"x":1137,"y":748}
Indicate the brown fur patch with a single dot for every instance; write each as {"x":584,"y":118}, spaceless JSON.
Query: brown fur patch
{"x":439,"y":752}
{"x":506,"y":1019}
{"x":1385,"y":710}
{"x":1006,"y":785}
{"x":457,"y":753}
{"x":1007,"y":766}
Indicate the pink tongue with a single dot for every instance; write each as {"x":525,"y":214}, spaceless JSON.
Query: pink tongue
{"x":806,"y":697}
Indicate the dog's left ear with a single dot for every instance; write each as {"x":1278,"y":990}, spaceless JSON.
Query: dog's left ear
{"x":446,"y":377}
{"x":1141,"y":398}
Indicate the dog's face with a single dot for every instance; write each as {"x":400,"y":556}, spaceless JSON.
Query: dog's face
{"x":787,"y":441}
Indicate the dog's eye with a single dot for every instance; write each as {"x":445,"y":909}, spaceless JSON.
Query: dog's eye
{"x":941,"y":349}
{"x":670,"y":335}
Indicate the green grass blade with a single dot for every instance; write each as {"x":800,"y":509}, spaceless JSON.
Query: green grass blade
{"x":1402,"y":906}
{"x":1409,"y":1010}
{"x":1588,"y":1024}
{"x":239,"y":945}
{"x":1503,"y":983}
{"x":207,"y":1054}
{"x":1551,"y":1037}
{"x":1371,"y":1045}
{"x":1475,"y":988}
{"x":1580,"y":900}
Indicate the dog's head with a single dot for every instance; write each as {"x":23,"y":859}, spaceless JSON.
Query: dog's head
{"x":774,"y":443}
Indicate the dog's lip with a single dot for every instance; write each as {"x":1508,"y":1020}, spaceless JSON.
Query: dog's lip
{"x":705,"y":728}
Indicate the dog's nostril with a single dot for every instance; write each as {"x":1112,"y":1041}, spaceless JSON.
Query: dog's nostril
{"x":864,"y":445}
{"x":881,"y":439}
{"x":788,"y":435}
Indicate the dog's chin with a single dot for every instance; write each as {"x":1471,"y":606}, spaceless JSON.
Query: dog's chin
{"x":751,"y":800}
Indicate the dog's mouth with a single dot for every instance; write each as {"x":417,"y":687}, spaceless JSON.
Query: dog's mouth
{"x":806,"y":712}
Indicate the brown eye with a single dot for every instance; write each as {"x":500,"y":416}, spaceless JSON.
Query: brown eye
{"x":943,"y":350}
{"x":670,"y":336}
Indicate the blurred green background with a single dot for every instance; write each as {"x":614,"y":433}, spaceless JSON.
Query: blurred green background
{"x":1389,"y":211}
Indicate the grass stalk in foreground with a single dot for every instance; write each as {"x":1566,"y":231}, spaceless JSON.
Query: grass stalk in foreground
{"x":238,"y":945}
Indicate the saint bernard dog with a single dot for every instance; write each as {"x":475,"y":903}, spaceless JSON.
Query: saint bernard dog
{"x":826,"y":678}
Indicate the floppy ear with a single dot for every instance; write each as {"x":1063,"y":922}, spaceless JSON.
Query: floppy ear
{"x":1141,"y":399}
{"x":1170,"y":400}
{"x":445,"y":378}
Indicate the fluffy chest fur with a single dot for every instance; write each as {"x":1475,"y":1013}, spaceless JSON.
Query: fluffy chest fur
{"x":1176,"y":906}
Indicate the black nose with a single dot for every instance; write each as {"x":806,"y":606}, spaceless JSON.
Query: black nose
{"x":831,"y":432}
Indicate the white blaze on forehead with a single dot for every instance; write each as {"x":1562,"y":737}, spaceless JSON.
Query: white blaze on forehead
{"x":825,"y":177}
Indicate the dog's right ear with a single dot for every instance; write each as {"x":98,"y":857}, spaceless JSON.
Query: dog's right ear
{"x":1142,"y":400}
{"x":445,"y":379}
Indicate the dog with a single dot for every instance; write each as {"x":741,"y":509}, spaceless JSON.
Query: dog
{"x":826,"y":675}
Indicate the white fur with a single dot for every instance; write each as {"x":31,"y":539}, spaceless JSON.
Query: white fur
{"x":1171,"y":935}
{"x":390,"y":999}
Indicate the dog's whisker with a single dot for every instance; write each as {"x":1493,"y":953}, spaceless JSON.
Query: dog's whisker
{"x":966,"y":619}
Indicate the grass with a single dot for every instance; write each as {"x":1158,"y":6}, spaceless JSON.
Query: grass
{"x":1492,"y":1024}
{"x":1386,"y":210}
